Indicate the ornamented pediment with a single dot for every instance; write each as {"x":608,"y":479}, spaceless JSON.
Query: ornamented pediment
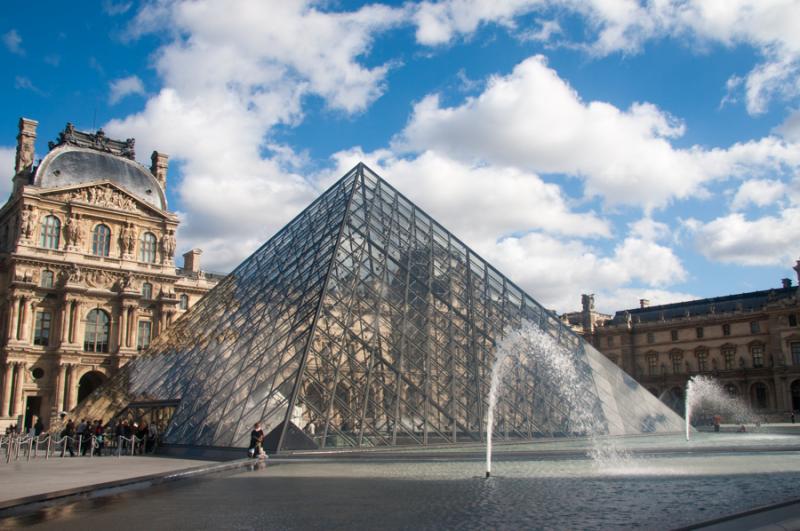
{"x":106,"y":195}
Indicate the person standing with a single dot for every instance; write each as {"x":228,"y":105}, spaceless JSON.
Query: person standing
{"x":256,"y":441}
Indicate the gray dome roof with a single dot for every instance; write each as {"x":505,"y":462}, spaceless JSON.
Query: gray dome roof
{"x":67,"y":166}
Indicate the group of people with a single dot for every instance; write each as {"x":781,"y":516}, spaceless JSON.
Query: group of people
{"x":83,"y":433}
{"x":94,"y":436}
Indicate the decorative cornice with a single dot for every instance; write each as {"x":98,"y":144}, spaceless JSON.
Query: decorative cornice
{"x":97,"y":141}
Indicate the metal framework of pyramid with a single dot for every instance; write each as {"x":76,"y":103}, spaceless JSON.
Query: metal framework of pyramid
{"x":363,"y":323}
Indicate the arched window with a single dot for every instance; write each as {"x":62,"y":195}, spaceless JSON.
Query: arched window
{"x":147,"y":248}
{"x":147,"y":290}
{"x":50,"y":234}
{"x":101,"y":240}
{"x":47,"y":279}
{"x":184,"y":302}
{"x":97,"y":326}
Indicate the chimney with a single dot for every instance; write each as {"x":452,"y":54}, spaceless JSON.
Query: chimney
{"x":644,"y":303}
{"x":786,"y":282}
{"x":191,"y":260}
{"x":25,"y":152}
{"x":158,"y":168}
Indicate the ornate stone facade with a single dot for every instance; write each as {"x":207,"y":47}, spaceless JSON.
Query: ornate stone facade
{"x":749,"y":342}
{"x":87,"y":272}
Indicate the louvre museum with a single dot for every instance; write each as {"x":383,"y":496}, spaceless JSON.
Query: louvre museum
{"x":87,"y":269}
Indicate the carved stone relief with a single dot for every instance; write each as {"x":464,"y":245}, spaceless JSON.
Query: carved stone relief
{"x":102,"y":196}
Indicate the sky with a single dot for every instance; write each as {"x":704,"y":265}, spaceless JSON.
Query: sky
{"x":630,"y":149}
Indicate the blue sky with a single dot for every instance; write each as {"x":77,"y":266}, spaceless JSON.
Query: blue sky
{"x":627,"y":149}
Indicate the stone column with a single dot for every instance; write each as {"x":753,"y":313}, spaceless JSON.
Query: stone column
{"x":72,"y":390}
{"x":13,"y":308}
{"x":60,"y":381}
{"x":66,"y":309}
{"x":29,"y":311}
{"x":131,"y":323}
{"x":74,"y":337}
{"x":19,"y":381}
{"x":6,"y":396}
{"x":122,"y":325}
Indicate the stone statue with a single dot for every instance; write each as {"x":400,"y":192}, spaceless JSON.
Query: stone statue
{"x":168,"y":245}
{"x":26,"y":221}
{"x":127,"y":238}
{"x":71,"y":274}
{"x":70,"y":231}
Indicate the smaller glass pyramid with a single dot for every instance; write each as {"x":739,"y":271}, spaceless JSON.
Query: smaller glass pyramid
{"x":364,"y":323}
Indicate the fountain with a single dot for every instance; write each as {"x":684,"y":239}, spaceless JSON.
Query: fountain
{"x":706,"y":391}
{"x":560,"y":374}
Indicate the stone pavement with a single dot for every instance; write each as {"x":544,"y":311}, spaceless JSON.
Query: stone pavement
{"x":20,"y":479}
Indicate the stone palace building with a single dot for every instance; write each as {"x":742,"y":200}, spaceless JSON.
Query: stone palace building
{"x":749,"y":342}
{"x":87,"y":271}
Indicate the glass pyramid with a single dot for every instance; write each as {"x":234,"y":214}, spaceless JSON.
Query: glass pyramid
{"x":364,"y":323}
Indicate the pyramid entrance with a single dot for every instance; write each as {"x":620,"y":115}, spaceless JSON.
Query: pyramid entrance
{"x":363,"y":323}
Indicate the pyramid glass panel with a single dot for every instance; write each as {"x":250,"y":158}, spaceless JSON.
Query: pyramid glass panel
{"x":366,"y":324}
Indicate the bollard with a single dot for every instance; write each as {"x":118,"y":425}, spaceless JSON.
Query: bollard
{"x":49,"y":443}
{"x":80,"y":441}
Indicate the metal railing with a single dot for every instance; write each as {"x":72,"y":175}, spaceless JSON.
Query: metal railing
{"x":16,"y":446}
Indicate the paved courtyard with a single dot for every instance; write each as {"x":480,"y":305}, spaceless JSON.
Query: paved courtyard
{"x":39,"y":476}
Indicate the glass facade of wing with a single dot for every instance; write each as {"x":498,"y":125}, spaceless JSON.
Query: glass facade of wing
{"x":364,"y":323}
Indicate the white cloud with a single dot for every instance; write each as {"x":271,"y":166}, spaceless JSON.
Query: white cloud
{"x":440,"y":22}
{"x":231,"y":75}
{"x":533,"y":119}
{"x":790,"y":128}
{"x":768,"y":26}
{"x":758,"y":192}
{"x":7,"y":159}
{"x":557,"y":271}
{"x":13,"y":42}
{"x":734,"y":239}
{"x":125,"y":86}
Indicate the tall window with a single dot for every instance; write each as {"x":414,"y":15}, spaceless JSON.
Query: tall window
{"x":702,"y":359}
{"x":101,"y":240}
{"x":143,"y":339}
{"x":673,"y":334}
{"x":726,"y":330}
{"x":47,"y":279}
{"x":147,"y":248}
{"x":651,"y":337}
{"x":41,"y":332}
{"x":185,"y":303}
{"x":757,"y":351}
{"x":147,"y":291}
{"x":795,"y":346}
{"x":677,"y":362}
{"x":652,"y":361}
{"x":792,"y":319}
{"x":699,"y":332}
{"x":755,"y":327}
{"x":728,"y":354}
{"x":50,"y":232}
{"x":96,"y":337}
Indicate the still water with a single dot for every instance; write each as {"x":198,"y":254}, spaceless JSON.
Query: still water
{"x":621,"y":491}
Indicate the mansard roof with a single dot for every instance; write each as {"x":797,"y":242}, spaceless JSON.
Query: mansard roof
{"x":79,"y":157}
{"x":752,"y":301}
